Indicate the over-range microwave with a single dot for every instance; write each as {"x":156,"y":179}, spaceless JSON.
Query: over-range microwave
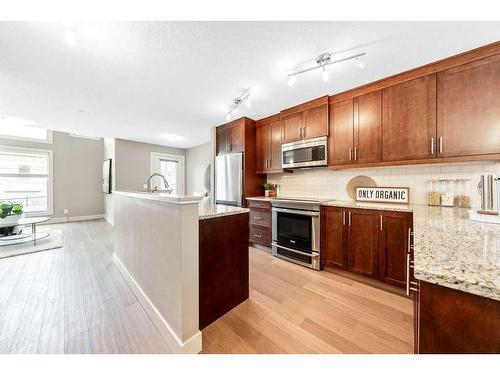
{"x":305,"y":153}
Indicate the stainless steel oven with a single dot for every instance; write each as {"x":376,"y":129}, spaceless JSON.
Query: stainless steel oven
{"x":296,"y":231}
{"x":305,"y":153}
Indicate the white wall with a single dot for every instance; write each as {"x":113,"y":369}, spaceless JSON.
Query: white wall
{"x":77,"y":173}
{"x":197,"y":160}
{"x":133,"y":162}
{"x":323,"y":182}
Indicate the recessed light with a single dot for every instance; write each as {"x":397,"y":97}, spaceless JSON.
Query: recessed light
{"x":172,"y":137}
{"x":70,"y":38}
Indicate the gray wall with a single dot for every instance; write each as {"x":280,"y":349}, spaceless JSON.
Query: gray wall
{"x":197,"y":160}
{"x":77,"y":173}
{"x":133,"y":162}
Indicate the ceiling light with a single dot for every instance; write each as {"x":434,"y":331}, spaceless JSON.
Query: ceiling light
{"x":292,"y":80}
{"x":360,"y":63}
{"x":243,"y":98}
{"x":172,"y":137}
{"x":70,"y":37}
{"x":324,"y":75}
{"x":322,"y":61}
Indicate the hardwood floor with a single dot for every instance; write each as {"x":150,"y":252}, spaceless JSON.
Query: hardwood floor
{"x":74,"y":300}
{"x":296,"y":310}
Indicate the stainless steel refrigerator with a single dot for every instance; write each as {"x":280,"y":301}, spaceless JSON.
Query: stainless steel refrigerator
{"x":229,"y":179}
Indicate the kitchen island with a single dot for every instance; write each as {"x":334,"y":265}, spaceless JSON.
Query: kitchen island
{"x":183,"y":259}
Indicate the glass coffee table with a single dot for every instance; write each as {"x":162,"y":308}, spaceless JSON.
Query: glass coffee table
{"x":24,"y":237}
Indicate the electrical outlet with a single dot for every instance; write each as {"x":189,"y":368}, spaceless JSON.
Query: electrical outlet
{"x":66,"y":211}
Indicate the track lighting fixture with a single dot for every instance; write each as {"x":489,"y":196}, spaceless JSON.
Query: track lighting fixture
{"x":322,"y":61}
{"x":233,"y":108}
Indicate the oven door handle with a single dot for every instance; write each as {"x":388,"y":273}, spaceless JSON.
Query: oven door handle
{"x":298,"y":212}
{"x":312,"y":255}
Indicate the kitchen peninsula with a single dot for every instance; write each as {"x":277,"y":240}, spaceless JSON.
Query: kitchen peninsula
{"x":180,"y":256}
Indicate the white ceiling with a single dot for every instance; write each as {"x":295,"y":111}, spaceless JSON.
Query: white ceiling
{"x":143,"y":80}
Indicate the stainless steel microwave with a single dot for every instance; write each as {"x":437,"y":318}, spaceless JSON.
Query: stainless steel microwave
{"x":305,"y":153}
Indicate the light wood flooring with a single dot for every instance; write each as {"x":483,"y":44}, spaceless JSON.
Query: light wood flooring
{"x":74,"y":300}
{"x":296,"y":310}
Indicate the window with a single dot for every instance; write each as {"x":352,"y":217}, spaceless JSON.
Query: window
{"x":26,"y":177}
{"x":170,"y":166}
{"x":24,"y":130}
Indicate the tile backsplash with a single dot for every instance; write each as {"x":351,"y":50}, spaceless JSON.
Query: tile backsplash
{"x":327,"y":183}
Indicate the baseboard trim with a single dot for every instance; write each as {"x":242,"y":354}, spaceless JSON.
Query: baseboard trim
{"x":193,"y":345}
{"x":68,"y":219}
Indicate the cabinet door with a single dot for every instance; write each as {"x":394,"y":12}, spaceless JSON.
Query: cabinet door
{"x":368,"y":128}
{"x":340,"y":142}
{"x":363,"y":242}
{"x":221,"y":140}
{"x":236,"y":135}
{"x":334,"y":237}
{"x":292,"y":125}
{"x":275,"y":146}
{"x":469,"y":109}
{"x":409,"y":120}
{"x":393,"y":246}
{"x":262,"y":148}
{"x":315,"y":122}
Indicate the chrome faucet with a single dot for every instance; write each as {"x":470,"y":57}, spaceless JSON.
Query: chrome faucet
{"x":149,"y":189}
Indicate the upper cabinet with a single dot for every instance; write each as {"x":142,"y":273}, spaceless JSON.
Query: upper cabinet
{"x":409,"y":120}
{"x":356,"y":130}
{"x":231,"y":137}
{"x":308,"y":120}
{"x":268,"y":145}
{"x":468,"y":121}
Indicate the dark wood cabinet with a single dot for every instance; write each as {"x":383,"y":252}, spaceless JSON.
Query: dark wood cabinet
{"x":367,"y":242}
{"x":469,"y":109}
{"x":368,"y":128}
{"x":363,"y":242}
{"x":393,"y":246}
{"x":449,"y":321}
{"x":240,"y":136}
{"x":334,"y":237}
{"x":409,"y":120}
{"x":260,"y":222}
{"x":356,"y":130}
{"x":292,"y":127}
{"x":268,"y":145}
{"x":315,"y":122}
{"x":341,"y":140}
{"x":307,"y":120}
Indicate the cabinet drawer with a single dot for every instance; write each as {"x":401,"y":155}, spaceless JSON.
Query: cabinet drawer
{"x":260,"y":235}
{"x":258,"y":204}
{"x":260,"y":216}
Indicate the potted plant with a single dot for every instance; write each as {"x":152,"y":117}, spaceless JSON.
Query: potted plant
{"x":267,"y":188}
{"x":9,"y":215}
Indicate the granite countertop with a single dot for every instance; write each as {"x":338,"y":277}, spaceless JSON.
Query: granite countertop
{"x":264,"y":199}
{"x":449,"y":248}
{"x":210,"y":210}
{"x":159,"y":196}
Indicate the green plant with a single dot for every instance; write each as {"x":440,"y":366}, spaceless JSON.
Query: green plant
{"x":8,"y":209}
{"x":267,"y":186}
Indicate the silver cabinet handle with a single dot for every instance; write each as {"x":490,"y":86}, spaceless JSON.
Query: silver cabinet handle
{"x":440,"y":145}
{"x":258,"y":236}
{"x":381,"y":223}
{"x":350,"y":154}
{"x":432,"y":146}
{"x":269,"y":163}
{"x":408,"y":274}
{"x":257,"y":218}
{"x":355,"y":153}
{"x":408,"y":249}
{"x":343,"y":218}
{"x":349,"y":218}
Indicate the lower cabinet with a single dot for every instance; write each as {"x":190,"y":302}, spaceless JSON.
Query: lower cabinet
{"x":370,"y":243}
{"x":260,"y":222}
